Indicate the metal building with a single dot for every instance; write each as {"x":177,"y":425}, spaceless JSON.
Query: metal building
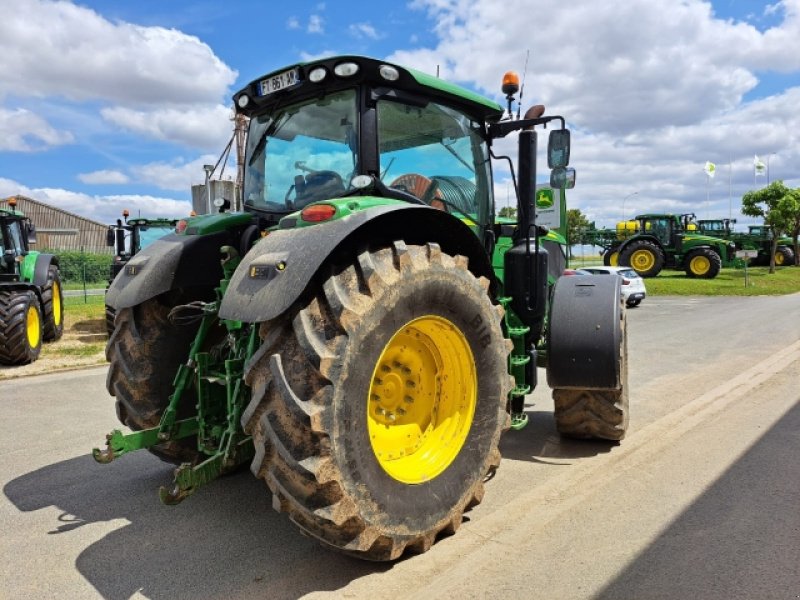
{"x":60,"y":230}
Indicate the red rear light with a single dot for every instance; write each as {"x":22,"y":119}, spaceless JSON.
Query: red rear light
{"x":317,"y":213}
{"x":181,"y":226}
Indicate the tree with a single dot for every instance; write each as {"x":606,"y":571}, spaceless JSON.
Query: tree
{"x":789,"y":208}
{"x":577,"y":223}
{"x":509,"y":212}
{"x":779,"y":206}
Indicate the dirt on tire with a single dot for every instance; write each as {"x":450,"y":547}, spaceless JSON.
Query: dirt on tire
{"x":310,"y":384}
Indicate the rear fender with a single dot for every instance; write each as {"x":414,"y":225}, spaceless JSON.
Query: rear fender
{"x":174,"y":261}
{"x":280,"y":267}
{"x":585,"y":333}
{"x":42,"y":267}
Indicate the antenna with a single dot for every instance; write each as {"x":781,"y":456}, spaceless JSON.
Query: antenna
{"x":522,"y":89}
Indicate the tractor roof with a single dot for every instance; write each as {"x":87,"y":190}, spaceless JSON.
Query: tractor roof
{"x":295,"y":83}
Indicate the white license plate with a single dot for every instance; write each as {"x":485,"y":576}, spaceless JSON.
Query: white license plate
{"x":279,"y":82}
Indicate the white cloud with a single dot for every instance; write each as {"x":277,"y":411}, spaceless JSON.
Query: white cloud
{"x":651,"y":90}
{"x":202,"y":126}
{"x":23,"y":131}
{"x":179,"y":175}
{"x":103,"y":209}
{"x":58,"y":48}
{"x":364,"y":30}
{"x":292,"y":23}
{"x":104,"y":176}
{"x":315,"y":24}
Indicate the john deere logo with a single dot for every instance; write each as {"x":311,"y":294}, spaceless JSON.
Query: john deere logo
{"x":544,"y":198}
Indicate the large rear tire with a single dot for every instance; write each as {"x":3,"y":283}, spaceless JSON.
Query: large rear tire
{"x":702,"y":263}
{"x":144,"y":352}
{"x":784,"y":256}
{"x":377,"y":406}
{"x":53,"y":305}
{"x":600,"y":414}
{"x":20,"y":327}
{"x":644,"y":257}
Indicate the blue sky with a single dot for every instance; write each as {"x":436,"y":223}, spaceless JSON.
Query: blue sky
{"x":111,"y":105}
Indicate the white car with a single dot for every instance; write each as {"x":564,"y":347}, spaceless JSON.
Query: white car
{"x":632,"y":286}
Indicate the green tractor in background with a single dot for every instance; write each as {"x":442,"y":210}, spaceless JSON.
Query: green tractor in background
{"x":128,"y":237}
{"x":31,"y":299}
{"x":651,"y":242}
{"x":364,"y":332}
{"x":757,"y":237}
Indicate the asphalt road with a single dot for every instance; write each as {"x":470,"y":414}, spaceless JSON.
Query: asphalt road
{"x":701,"y":500}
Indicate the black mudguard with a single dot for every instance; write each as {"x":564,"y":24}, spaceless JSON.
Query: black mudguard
{"x":174,"y":261}
{"x":280,"y":266}
{"x":41,"y":268}
{"x":585,"y":333}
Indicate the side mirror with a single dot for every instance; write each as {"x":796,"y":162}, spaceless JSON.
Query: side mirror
{"x":31,"y":233}
{"x":562,"y":178}
{"x":111,"y":237}
{"x":558,"y":148}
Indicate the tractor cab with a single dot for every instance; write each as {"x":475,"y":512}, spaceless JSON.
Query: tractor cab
{"x":663,"y":227}
{"x":353,"y":126}
{"x":16,"y":233}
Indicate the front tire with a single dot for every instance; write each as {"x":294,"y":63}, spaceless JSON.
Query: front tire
{"x":596,"y":414}
{"x":644,"y":257}
{"x":53,"y":305}
{"x":703,"y":263}
{"x":399,"y":355}
{"x":20,"y":327}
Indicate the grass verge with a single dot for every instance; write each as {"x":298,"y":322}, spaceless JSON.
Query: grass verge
{"x":729,"y":282}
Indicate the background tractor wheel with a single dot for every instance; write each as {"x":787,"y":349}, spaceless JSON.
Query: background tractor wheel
{"x":784,"y":256}
{"x":644,"y":257}
{"x":601,"y":414}
{"x":611,"y":258}
{"x":53,"y":305}
{"x":702,"y":263}
{"x":377,"y":406}
{"x":20,"y":327}
{"x":144,"y":353}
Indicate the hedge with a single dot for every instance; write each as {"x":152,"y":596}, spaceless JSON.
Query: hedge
{"x":77,"y":267}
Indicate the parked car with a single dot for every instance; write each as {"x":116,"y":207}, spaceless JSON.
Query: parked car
{"x":632,"y":286}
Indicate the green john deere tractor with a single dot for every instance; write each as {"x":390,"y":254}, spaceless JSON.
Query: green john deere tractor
{"x":652,"y":242}
{"x":757,"y":237}
{"x":364,"y":332}
{"x":129,"y":237}
{"x":31,"y":301}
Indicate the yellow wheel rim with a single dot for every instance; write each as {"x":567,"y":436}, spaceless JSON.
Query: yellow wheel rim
{"x":422,"y":399}
{"x":56,"y":304}
{"x":643,"y":260}
{"x":700,"y":265}
{"x":778,"y":258}
{"x":613,"y":259}
{"x":33,"y":327}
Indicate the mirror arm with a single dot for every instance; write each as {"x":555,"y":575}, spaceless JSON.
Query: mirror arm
{"x":499,"y":130}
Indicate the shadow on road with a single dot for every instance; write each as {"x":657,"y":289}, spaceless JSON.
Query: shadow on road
{"x":223,"y":542}
{"x":741,"y":539}
{"x":540,"y":442}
